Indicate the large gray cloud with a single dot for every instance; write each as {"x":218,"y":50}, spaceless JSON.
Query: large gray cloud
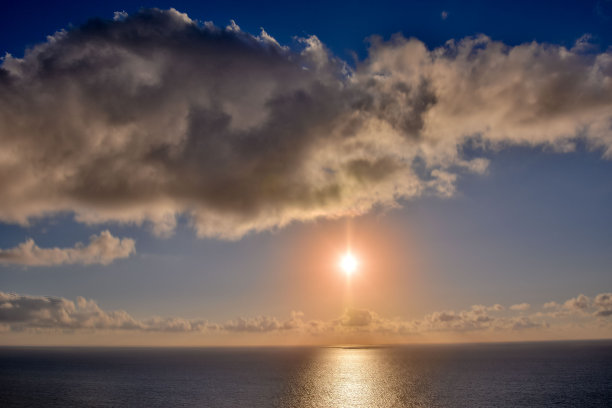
{"x":102,"y":249}
{"x":155,"y":115}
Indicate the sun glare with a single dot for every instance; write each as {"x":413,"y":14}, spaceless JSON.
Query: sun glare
{"x":348,"y":263}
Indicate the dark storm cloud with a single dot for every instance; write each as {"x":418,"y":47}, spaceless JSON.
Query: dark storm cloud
{"x":150,"y":116}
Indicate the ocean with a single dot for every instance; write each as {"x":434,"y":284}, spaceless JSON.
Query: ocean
{"x":548,"y":374}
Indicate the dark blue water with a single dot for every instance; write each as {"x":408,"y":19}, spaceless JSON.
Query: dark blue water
{"x":560,"y":374}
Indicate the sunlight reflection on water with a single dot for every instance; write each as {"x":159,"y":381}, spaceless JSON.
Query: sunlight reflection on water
{"x":530,"y":375}
{"x":354,"y":377}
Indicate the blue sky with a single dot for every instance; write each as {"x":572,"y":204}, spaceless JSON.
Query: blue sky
{"x":533,"y":227}
{"x":343,"y":26}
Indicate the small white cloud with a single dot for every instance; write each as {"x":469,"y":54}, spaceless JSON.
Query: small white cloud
{"x":604,"y":303}
{"x":233,"y":27}
{"x":520,"y":307}
{"x":551,"y":305}
{"x":579,"y":303}
{"x":210,"y":26}
{"x":102,"y":249}
{"x":120,"y":15}
{"x":496,"y":308}
{"x":603,"y":300}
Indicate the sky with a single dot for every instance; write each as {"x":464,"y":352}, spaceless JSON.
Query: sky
{"x":190,"y":173}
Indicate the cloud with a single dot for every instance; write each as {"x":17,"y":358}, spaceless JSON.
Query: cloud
{"x":525,"y":322}
{"x":599,"y":306}
{"x":153,"y":115}
{"x":480,"y":309}
{"x":603,"y":301}
{"x":474,"y":319}
{"x":356,"y":317}
{"x":21,"y":312}
{"x":257,"y":324}
{"x":551,"y":305}
{"x":579,"y":303}
{"x":120,"y":15}
{"x":42,"y":313}
{"x":173,"y":324}
{"x":102,"y":249}
{"x":496,"y":307}
{"x":521,"y":307}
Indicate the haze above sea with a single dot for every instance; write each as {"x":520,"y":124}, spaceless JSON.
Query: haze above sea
{"x":559,"y":374}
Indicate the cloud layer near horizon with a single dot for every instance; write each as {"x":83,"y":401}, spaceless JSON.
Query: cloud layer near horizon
{"x":25,"y":312}
{"x":155,"y":115}
{"x":102,"y":249}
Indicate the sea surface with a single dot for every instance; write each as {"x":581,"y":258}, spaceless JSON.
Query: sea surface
{"x":556,"y":374}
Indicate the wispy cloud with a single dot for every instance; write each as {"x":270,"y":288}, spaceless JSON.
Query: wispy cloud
{"x":102,"y":249}
{"x":148,"y":116}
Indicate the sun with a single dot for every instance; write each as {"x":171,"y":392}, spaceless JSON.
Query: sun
{"x":348,"y":263}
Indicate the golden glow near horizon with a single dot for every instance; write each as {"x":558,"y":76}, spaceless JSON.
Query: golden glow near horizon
{"x":348,"y":263}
